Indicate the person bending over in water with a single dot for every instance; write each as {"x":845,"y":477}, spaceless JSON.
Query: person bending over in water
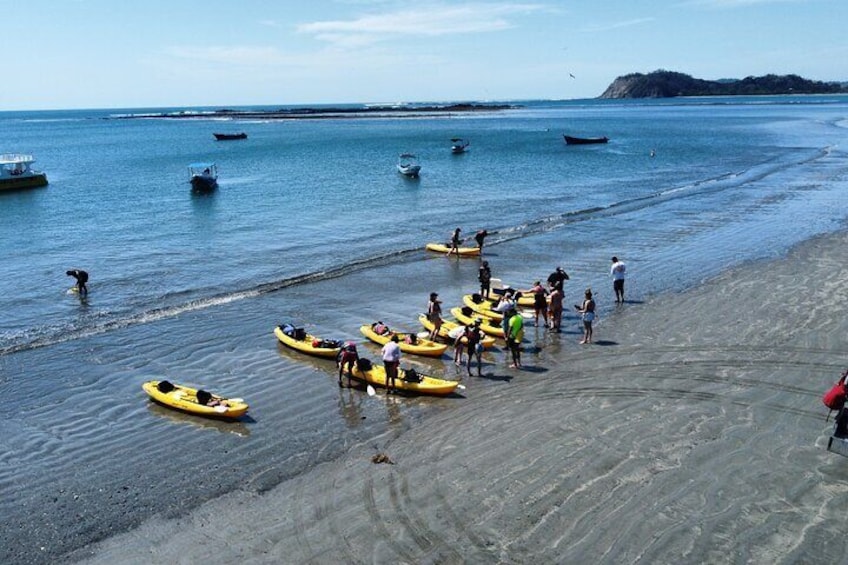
{"x":480,"y":237}
{"x":82,"y":278}
{"x":347,"y":356}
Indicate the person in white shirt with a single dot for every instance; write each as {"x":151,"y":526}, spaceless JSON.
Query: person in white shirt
{"x":617,"y":273}
{"x":391,"y":361}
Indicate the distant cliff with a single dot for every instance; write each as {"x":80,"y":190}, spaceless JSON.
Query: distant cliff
{"x":667,"y":84}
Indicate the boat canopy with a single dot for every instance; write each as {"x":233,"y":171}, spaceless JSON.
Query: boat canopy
{"x":15,"y":158}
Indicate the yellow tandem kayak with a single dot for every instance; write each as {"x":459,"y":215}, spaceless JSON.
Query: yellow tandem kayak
{"x":489,"y":325}
{"x":305,"y":345}
{"x":376,"y":375}
{"x":184,"y":398}
{"x":463,"y":251}
{"x":420,"y":347}
{"x":487,"y":341}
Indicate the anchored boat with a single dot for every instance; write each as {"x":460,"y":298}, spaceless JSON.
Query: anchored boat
{"x":16,"y":172}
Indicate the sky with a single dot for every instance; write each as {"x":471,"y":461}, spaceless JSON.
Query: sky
{"x":69,"y":54}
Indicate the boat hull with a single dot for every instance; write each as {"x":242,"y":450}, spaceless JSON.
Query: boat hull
{"x":203,"y":184}
{"x":35,"y":180}
{"x":569,"y":140}
{"x":229,"y":136}
{"x":410,"y":171}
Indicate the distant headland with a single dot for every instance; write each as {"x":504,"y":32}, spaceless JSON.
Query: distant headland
{"x":668,"y":84}
{"x":299,"y":113}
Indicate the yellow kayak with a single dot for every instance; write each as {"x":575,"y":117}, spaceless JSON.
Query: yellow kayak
{"x":305,"y":345}
{"x":487,"y":340}
{"x":376,"y":375}
{"x":526,"y":299}
{"x":463,"y":251}
{"x":184,"y":398}
{"x":420,"y":347}
{"x":489,"y":325}
{"x":484,"y":307}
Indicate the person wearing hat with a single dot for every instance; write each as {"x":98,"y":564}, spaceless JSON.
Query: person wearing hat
{"x":484,"y":275}
{"x":434,"y":314}
{"x":455,"y":242}
{"x":557,"y":278}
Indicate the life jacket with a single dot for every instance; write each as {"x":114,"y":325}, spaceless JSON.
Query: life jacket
{"x":835,"y":397}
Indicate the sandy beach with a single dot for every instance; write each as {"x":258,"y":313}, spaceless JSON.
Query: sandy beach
{"x":691,"y":432}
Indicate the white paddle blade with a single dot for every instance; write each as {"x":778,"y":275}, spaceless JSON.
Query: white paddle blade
{"x":460,"y":387}
{"x":371,"y":391}
{"x":423,"y":335}
{"x":219,"y":408}
{"x":237,"y":400}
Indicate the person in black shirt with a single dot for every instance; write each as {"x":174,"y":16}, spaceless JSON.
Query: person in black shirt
{"x":484,"y":275}
{"x":82,"y":278}
{"x":557,"y":279}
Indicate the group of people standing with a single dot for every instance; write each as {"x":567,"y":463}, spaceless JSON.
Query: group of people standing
{"x":547,"y":305}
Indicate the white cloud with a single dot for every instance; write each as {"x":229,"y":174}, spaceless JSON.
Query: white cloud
{"x":434,"y":20}
{"x":616,"y":25}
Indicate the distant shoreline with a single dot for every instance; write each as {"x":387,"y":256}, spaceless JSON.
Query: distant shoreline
{"x":322,"y":113}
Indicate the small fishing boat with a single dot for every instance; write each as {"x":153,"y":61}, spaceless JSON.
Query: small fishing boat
{"x":569,"y":140}
{"x":459,"y":145}
{"x":408,"y":165}
{"x":194,"y":401}
{"x":15,"y":172}
{"x":203,"y":176}
{"x":229,"y":136}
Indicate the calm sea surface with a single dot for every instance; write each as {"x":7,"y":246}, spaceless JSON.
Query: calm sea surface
{"x":312,"y":224}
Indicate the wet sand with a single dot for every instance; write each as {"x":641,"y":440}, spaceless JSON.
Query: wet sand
{"x":692,"y":431}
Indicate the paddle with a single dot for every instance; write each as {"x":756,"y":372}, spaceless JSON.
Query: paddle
{"x":370,"y":390}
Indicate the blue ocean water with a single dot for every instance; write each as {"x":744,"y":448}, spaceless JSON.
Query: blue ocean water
{"x":302,"y":200}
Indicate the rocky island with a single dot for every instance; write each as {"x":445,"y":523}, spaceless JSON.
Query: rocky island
{"x":668,"y":84}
